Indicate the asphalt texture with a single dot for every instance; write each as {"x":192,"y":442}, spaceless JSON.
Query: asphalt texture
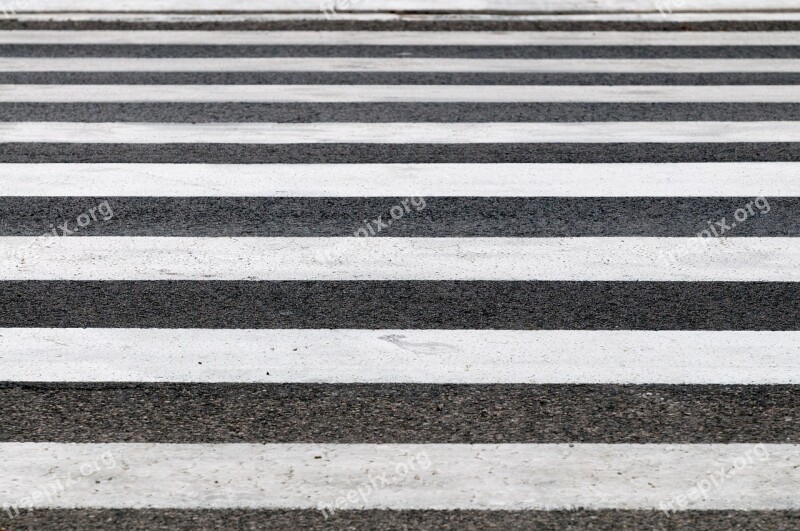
{"x":172,"y":112}
{"x":411,"y":23}
{"x":398,"y":153}
{"x":399,"y":413}
{"x":454,"y":217}
{"x":456,"y":305}
{"x":244,"y":519}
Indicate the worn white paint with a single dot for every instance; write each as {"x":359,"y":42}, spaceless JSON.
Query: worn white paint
{"x":731,"y":179}
{"x":444,"y":476}
{"x":407,"y":38}
{"x":371,"y":16}
{"x":445,"y":6}
{"x":398,"y":93}
{"x":398,"y":133}
{"x":400,"y":356}
{"x":389,"y":64}
{"x":349,"y":258}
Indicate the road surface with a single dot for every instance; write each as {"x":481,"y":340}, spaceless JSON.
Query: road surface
{"x":391,"y":272}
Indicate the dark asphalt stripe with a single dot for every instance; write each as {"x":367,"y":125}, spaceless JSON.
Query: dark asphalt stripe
{"x":34,"y":152}
{"x":398,"y":413}
{"x":459,"y":520}
{"x":450,"y":51}
{"x":396,"y":78}
{"x":409,"y":24}
{"x":456,"y":305}
{"x":396,"y":112}
{"x":441,"y":217}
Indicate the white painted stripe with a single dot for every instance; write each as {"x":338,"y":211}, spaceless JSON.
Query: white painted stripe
{"x":389,"y":64}
{"x":399,"y":356}
{"x":419,"y":38}
{"x":733,"y":179}
{"x":529,"y":6}
{"x":444,"y":476}
{"x":397,"y":93}
{"x":398,"y":133}
{"x":348,"y":258}
{"x":726,"y":179}
{"x":416,"y":17}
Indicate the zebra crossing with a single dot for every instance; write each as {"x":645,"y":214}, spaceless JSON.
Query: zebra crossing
{"x":366,"y":276}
